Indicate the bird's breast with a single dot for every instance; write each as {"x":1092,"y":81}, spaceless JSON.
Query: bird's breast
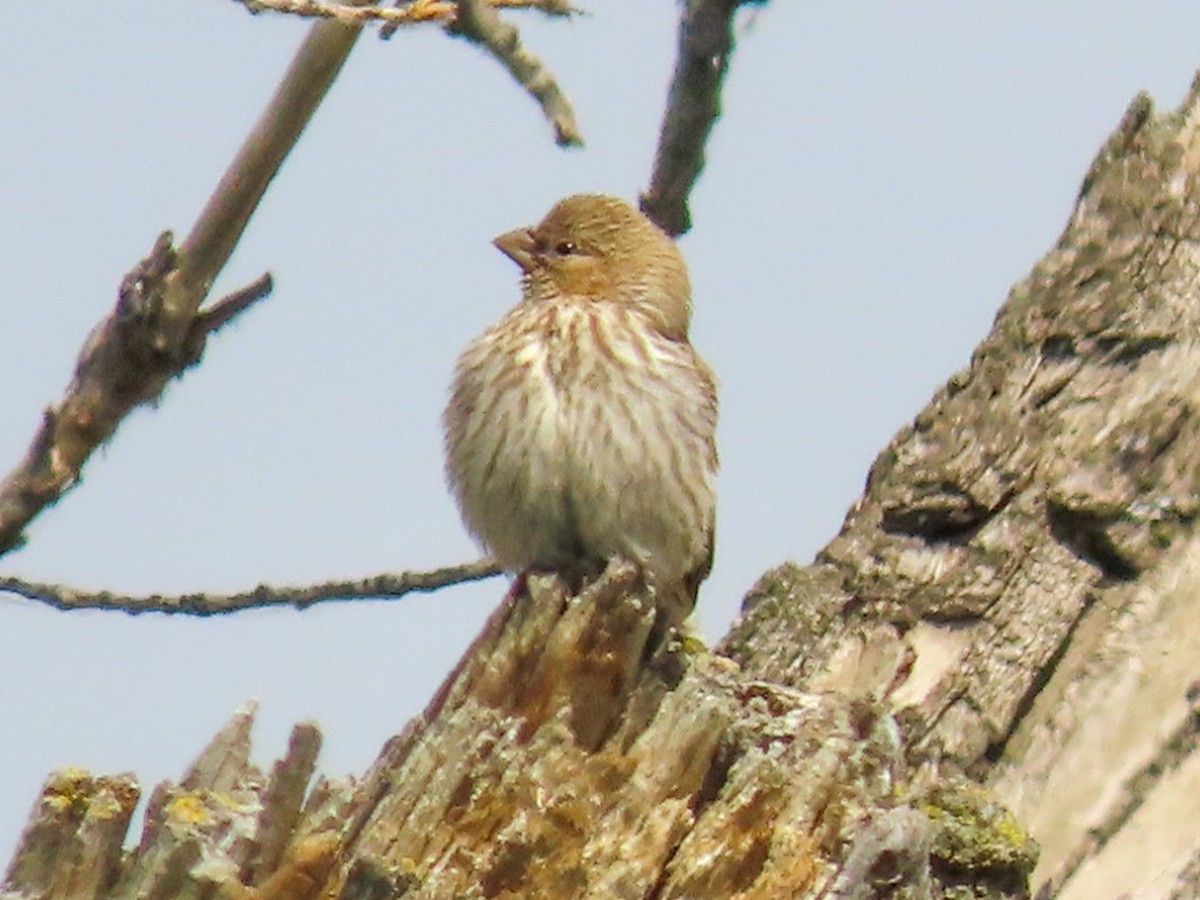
{"x":586,"y":344}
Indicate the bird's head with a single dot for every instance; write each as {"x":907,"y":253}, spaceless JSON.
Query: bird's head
{"x":601,"y":248}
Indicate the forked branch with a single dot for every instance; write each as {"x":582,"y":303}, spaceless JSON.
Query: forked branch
{"x":157,"y":328}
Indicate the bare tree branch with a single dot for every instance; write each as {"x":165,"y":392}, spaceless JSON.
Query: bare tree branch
{"x":156,"y":330}
{"x":417,"y":12}
{"x":479,"y":22}
{"x":123,"y":363}
{"x":385,"y":586}
{"x":224,"y":218}
{"x":693,"y":105}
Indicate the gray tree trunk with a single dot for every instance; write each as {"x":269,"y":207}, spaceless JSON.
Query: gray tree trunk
{"x":1008,"y":618}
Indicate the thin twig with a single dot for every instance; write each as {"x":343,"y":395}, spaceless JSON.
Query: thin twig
{"x":227,"y":308}
{"x":693,"y":106}
{"x":477,"y":21}
{"x":385,"y":586}
{"x":417,"y":12}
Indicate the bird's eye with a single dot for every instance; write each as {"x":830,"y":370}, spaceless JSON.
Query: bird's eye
{"x":565,"y":248}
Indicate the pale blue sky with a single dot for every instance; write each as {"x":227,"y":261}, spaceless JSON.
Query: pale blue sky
{"x":882,"y":174}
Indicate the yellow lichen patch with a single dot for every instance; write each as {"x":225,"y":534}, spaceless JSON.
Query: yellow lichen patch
{"x":73,"y":774}
{"x":693,"y":644}
{"x":69,"y":791}
{"x":189,"y":809}
{"x":973,"y":830}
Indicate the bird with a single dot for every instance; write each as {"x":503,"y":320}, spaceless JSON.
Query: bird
{"x":581,"y":426}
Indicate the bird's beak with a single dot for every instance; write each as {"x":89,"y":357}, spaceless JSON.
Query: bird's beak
{"x":518,"y":246}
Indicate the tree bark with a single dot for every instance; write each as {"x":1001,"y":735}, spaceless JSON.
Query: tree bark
{"x":1006,"y":617}
{"x":1017,"y":583}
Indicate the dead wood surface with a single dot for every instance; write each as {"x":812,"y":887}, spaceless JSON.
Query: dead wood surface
{"x":1020,"y":579}
{"x":574,"y":753}
{"x":1013,"y":598}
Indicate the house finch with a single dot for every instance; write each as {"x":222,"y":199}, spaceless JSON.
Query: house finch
{"x":581,"y":425}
